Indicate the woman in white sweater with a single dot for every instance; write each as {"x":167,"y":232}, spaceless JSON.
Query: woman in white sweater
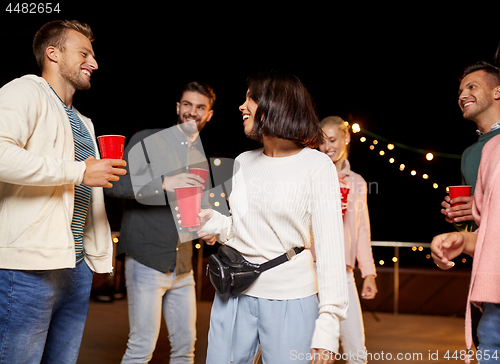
{"x":282,"y":196}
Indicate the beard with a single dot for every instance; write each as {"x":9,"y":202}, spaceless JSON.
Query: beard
{"x":73,"y":77}
{"x":189,"y":127}
{"x":480,"y":106}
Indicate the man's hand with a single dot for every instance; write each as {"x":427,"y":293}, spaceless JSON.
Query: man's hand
{"x":182,"y":180}
{"x":100,"y":171}
{"x":457,"y":213}
{"x":448,"y":246}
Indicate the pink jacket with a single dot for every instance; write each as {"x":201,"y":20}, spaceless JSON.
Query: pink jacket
{"x":357,"y":224}
{"x":357,"y":238}
{"x":485,"y":277}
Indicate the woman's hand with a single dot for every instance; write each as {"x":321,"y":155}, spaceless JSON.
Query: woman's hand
{"x":322,"y":356}
{"x":369,"y":290}
{"x":204,"y":215}
{"x":207,"y":238}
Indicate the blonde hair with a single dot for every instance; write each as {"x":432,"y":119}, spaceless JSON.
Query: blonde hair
{"x":336,"y":121}
{"x":341,"y":124}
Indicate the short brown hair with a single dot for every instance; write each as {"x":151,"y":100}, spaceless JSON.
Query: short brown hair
{"x":285,"y":109}
{"x":54,"y":34}
{"x":201,"y":88}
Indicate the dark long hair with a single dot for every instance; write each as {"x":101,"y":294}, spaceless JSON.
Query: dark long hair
{"x":285,"y":109}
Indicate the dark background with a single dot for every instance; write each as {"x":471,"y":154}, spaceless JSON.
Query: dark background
{"x":392,"y":70}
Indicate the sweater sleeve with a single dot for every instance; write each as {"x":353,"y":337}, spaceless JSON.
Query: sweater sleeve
{"x":364,"y":253}
{"x":220,"y":226}
{"x":20,"y":110}
{"x":330,"y":259}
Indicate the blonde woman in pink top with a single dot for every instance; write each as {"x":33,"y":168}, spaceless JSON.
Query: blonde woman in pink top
{"x":356,"y":236}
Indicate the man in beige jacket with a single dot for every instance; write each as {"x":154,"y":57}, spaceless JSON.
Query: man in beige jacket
{"x":54,"y":229}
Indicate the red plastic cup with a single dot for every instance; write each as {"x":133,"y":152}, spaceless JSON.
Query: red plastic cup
{"x":202,"y":173}
{"x":111,"y":146}
{"x":344,"y":194}
{"x":189,"y":202}
{"x":458,"y":191}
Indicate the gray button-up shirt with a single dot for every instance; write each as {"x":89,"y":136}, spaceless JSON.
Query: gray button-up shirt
{"x":149,"y":230}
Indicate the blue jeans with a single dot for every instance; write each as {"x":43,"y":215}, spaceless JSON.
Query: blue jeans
{"x":488,"y":333}
{"x":149,"y":292}
{"x":42,"y":314}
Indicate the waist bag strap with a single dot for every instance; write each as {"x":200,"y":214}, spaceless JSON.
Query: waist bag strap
{"x":289,"y":255}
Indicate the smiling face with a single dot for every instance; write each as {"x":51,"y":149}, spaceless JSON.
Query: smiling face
{"x":248,"y":110}
{"x":335,"y":143}
{"x":193,"y":112}
{"x":476,"y":95}
{"x":77,"y":60}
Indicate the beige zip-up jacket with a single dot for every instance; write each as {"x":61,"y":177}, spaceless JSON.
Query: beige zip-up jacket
{"x":37,"y":178}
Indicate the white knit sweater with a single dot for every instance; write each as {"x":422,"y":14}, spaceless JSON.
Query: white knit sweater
{"x":281,"y":203}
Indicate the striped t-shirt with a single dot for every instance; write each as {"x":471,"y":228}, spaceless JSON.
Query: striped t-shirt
{"x":84,"y":148}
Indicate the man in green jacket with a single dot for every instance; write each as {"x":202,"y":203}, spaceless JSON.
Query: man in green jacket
{"x":479,"y":100}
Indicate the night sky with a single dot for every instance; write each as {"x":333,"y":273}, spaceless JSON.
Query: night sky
{"x":396,"y":75}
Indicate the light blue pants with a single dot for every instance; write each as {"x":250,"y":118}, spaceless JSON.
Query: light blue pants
{"x":149,"y":292}
{"x":284,"y":329}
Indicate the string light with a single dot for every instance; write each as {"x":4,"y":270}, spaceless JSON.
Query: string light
{"x":390,"y":146}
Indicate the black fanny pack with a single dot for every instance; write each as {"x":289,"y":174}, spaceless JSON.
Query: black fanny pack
{"x":231,"y":273}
